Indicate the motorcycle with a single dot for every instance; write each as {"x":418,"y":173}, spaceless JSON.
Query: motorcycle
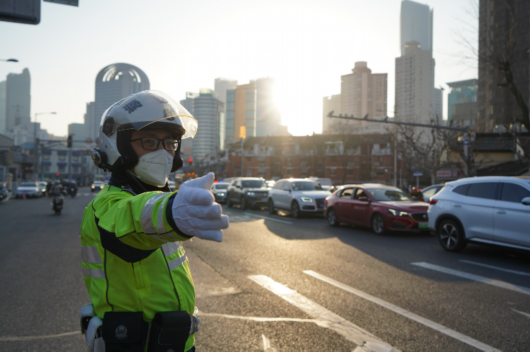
{"x":57,"y":205}
{"x":72,"y":192}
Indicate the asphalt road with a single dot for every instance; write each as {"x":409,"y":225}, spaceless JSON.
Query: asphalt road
{"x":279,"y":284}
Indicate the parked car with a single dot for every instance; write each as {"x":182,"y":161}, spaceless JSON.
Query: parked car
{"x":298,"y":196}
{"x":219,"y":191}
{"x":248,"y":192}
{"x":97,"y":186}
{"x":171,"y":185}
{"x":30,"y":189}
{"x":430,"y":191}
{"x":380,"y":207}
{"x":490,"y":210}
{"x":4,"y":193}
{"x":270,"y":183}
{"x":42,"y":185}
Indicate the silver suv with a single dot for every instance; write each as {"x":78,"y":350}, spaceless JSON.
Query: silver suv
{"x":297,"y":195}
{"x":492,"y":210}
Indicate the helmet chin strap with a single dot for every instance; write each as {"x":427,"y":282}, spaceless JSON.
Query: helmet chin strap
{"x":135,"y":179}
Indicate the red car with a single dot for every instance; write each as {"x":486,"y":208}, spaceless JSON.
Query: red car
{"x":377,"y":206}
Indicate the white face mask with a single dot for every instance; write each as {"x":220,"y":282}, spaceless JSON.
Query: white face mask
{"x":154,"y":168}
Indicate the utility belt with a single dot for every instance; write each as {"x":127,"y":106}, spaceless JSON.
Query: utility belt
{"x":128,"y":332}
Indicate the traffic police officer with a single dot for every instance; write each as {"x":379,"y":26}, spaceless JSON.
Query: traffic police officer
{"x":134,"y":266}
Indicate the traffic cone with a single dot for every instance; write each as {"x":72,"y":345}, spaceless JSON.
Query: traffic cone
{"x":23,"y":195}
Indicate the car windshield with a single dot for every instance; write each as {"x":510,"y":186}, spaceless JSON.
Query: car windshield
{"x":221,"y":186}
{"x":388,"y":195}
{"x":305,"y":186}
{"x":97,"y":183}
{"x":28,"y":184}
{"x":254,"y":184}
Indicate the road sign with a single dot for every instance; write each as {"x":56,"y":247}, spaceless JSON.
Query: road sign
{"x":418,"y":173}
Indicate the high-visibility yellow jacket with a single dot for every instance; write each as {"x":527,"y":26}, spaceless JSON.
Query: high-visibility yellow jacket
{"x":132,"y":257}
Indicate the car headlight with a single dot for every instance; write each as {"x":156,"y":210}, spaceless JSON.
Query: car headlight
{"x":93,"y":186}
{"x":306,"y":199}
{"x":397,"y":212}
{"x":221,"y":194}
{"x":252,"y":194}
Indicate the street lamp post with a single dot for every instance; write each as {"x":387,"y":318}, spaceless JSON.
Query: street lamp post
{"x":35,"y":141}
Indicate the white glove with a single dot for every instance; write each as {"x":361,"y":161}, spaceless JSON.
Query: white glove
{"x":195,"y":211}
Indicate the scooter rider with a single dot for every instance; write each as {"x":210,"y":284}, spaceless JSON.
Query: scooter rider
{"x":134,"y":266}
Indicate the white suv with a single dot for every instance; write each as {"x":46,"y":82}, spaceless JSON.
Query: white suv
{"x":492,"y":210}
{"x":298,"y":196}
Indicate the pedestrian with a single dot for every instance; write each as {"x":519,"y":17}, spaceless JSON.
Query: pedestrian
{"x":134,"y":266}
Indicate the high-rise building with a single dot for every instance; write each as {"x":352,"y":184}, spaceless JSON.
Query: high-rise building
{"x":415,"y":85}
{"x":240,"y":113}
{"x":113,"y":83}
{"x":363,"y":92}
{"x":78,"y":132}
{"x":329,"y":104}
{"x":416,"y":25}
{"x":268,"y":116}
{"x":502,"y":24}
{"x":462,"y":103}
{"x":221,"y":85}
{"x":18,"y":99}
{"x":209,"y":113}
{"x":90,"y":121}
{"x":2,"y":107}
{"x":438,"y":103}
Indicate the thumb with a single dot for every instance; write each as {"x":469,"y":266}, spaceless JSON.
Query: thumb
{"x":204,"y":182}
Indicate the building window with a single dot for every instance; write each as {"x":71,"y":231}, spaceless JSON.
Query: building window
{"x":333,"y":158}
{"x":45,"y":168}
{"x":62,"y":157}
{"x":46,"y":157}
{"x":248,"y":159}
{"x":333,"y":172}
{"x":75,"y":158}
{"x":75,"y":169}
{"x":62,"y":168}
{"x":249,"y":173}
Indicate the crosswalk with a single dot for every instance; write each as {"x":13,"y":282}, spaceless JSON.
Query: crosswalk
{"x":364,"y":339}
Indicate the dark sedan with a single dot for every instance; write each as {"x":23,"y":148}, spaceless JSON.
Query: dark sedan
{"x":380,"y":207}
{"x":248,"y":192}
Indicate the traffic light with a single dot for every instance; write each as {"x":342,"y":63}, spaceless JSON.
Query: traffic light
{"x":69,"y":141}
{"x":191,"y":161}
{"x":57,"y":175}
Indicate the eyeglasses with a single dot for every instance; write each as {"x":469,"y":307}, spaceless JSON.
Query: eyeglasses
{"x":152,"y":143}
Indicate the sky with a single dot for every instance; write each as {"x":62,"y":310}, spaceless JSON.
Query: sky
{"x":306,"y":45}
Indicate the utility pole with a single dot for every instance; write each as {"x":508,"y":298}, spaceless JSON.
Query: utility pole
{"x":69,"y":146}
{"x":242,"y":157}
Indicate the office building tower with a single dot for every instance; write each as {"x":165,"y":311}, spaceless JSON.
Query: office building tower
{"x":329,"y":104}
{"x":2,"y":107}
{"x":416,"y":22}
{"x":240,"y":113}
{"x":209,"y":113}
{"x":18,"y":99}
{"x":503,"y":36}
{"x":221,"y":85}
{"x":90,"y":122}
{"x":363,"y":92}
{"x":113,"y":83}
{"x":78,"y":132}
{"x":415,"y":85}
{"x":268,"y":116}
{"x":462,"y":103}
{"x":438,"y":103}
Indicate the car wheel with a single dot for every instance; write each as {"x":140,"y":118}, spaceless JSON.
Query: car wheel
{"x":243,"y":203}
{"x":451,"y":236}
{"x":332,"y":218}
{"x":295,"y":210}
{"x":378,"y":224}
{"x":228,"y":202}
{"x":272,"y":211}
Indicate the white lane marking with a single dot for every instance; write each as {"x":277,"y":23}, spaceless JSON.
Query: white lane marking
{"x":435,"y":326}
{"x":331,"y":320}
{"x":523,"y":313}
{"x":496,"y":268}
{"x":473,"y":277}
{"x":269,"y":218}
{"x":267,"y":344}
{"x":266,"y":320}
{"x":24,"y":338}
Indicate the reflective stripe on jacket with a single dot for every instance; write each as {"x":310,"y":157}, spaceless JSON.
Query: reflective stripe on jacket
{"x":132,"y":258}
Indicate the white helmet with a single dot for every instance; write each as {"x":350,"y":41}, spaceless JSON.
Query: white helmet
{"x":145,"y":110}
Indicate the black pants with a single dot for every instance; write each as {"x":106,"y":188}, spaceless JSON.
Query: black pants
{"x":192,"y":349}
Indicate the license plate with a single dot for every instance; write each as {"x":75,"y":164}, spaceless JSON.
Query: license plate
{"x":423,"y":226}
{"x":264,"y":199}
